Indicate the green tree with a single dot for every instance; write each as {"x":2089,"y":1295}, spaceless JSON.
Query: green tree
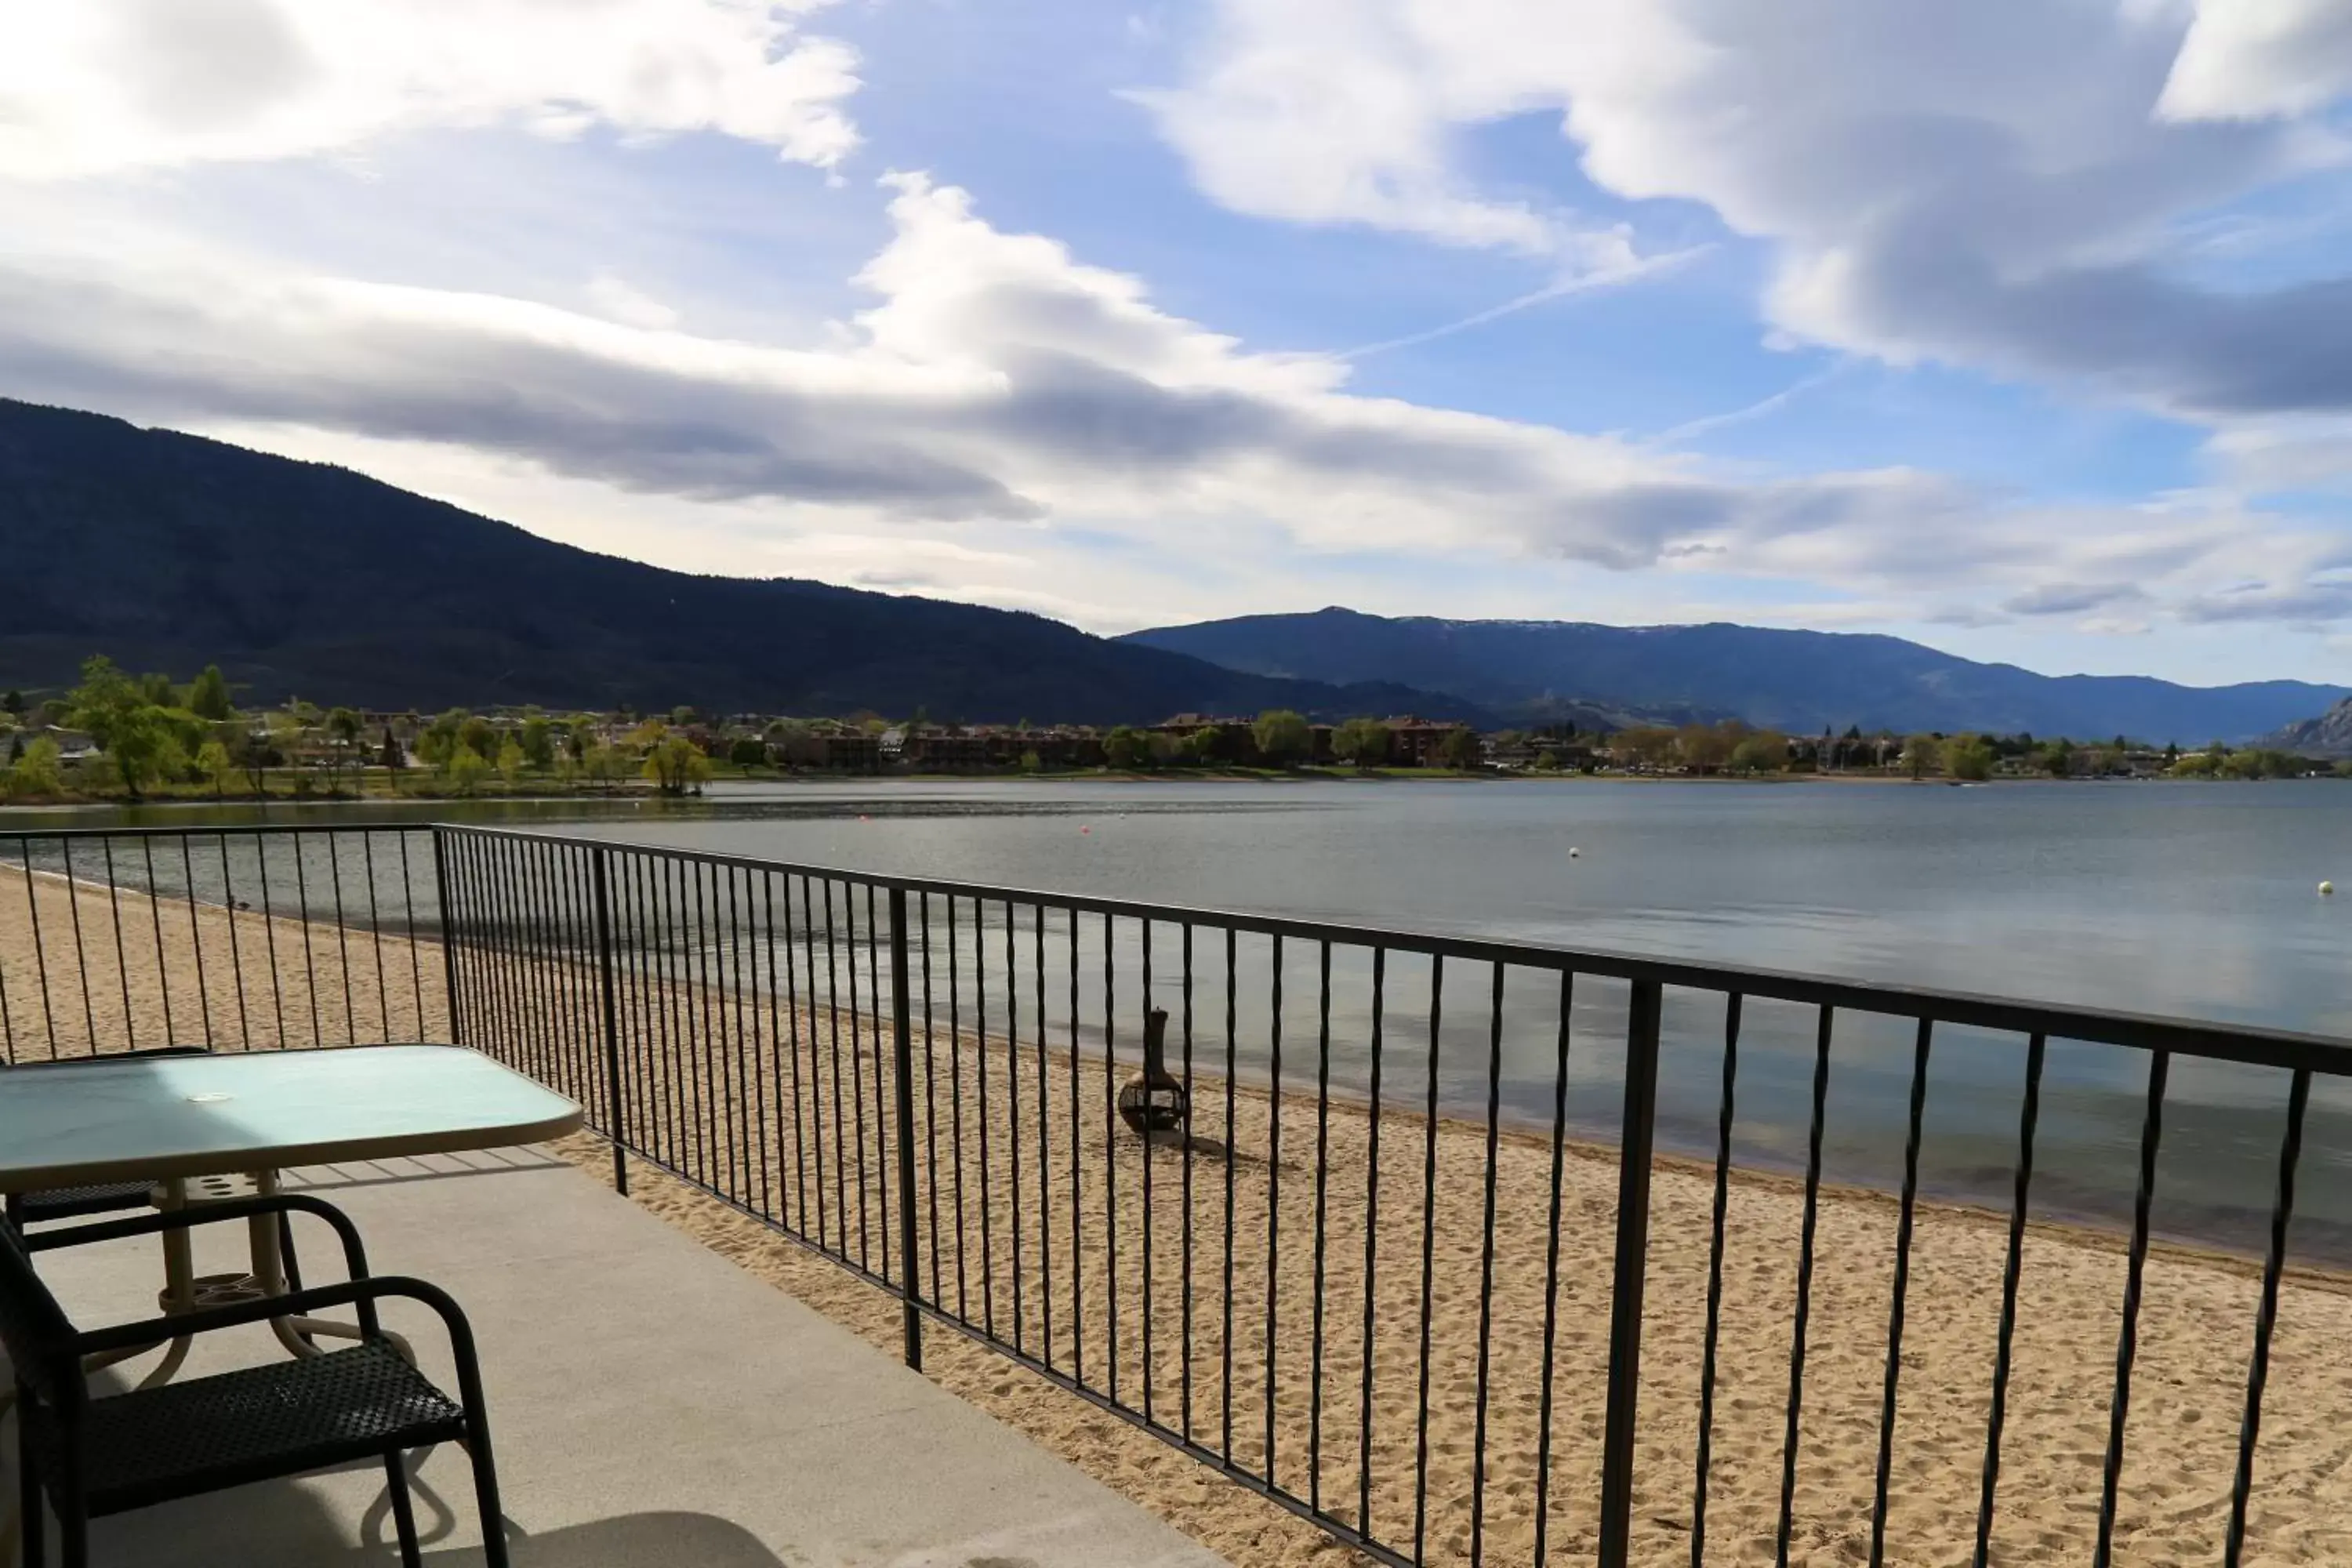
{"x":537,"y":743}
{"x":675,"y":763}
{"x":36,"y":772}
{"x":1126,"y":748}
{"x":1765,"y":752}
{"x":130,"y":727}
{"x":602,"y":764}
{"x":2058,"y":758}
{"x":1922,"y":755}
{"x":12,"y":701}
{"x":1969,"y":758}
{"x":1363,"y":742}
{"x":1460,"y":748}
{"x":747,"y":752}
{"x":1031,"y":763}
{"x":579,"y":735}
{"x":389,"y":754}
{"x":208,"y":694}
{"x":1283,"y":737}
{"x":467,"y":768}
{"x":511,"y":761}
{"x":1547,"y":761}
{"x":214,"y":761}
{"x":474,"y":733}
{"x":1207,"y":745}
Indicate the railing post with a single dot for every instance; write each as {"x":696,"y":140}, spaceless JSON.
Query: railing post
{"x":902,"y":1029}
{"x":616,"y":1131}
{"x":448,"y":930}
{"x":1632,"y":1272}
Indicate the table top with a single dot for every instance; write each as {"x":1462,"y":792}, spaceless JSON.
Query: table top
{"x":101,"y":1121}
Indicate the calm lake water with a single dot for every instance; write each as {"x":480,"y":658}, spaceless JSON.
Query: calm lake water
{"x":2191,"y":899}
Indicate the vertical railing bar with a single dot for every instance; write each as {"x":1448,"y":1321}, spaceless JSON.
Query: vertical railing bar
{"x":765,"y":1066}
{"x":40,"y":948}
{"x":747,"y":1005}
{"x":1226,"y":1400}
{"x":955,"y":1105}
{"x":121,"y":956}
{"x":930,"y":1103}
{"x":1372,"y":1238}
{"x":444,"y":912}
{"x":1898,"y":1297}
{"x":1151,"y":1369}
{"x":2035,"y":1053}
{"x":668,"y":1016}
{"x":1725,"y":1110}
{"x":817,"y":1067}
{"x":155,"y":918}
{"x":343,"y":936}
{"x":1551,"y":1271}
{"x":527,"y":916}
{"x":677,"y":982}
{"x":1110,"y":1154}
{"x":1044,"y":1134}
{"x":1646,"y":1004}
{"x":81,"y":952}
{"x":881,"y":1112}
{"x":1184,"y":1372}
{"x":2267,"y":1318}
{"x":1322,"y":1190}
{"x":617,"y":1130}
{"x":1486,"y":1271}
{"x":1428,"y":1261}
{"x":2159,"y":1066}
{"x":195,"y":935}
{"x":787,"y":1034}
{"x":858,"y":1070}
{"x":269,"y":940}
{"x":375,"y":931}
{"x":903,"y":1034}
{"x":1013,"y":1114}
{"x":711,"y":1066}
{"x":987,"y":1170}
{"x":832,"y":1015}
{"x":1272,"y":1189}
{"x":1077,"y":1178}
{"x":310,"y":958}
{"x":628,"y":934}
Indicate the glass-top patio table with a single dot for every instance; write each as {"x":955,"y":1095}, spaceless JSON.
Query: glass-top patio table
{"x":183,"y":1120}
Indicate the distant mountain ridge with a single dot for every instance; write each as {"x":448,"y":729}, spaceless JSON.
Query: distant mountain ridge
{"x":1800,"y":681}
{"x":169,"y":552}
{"x":2328,"y":735}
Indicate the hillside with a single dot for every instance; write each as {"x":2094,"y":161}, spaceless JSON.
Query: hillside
{"x":169,"y":552}
{"x":2329,"y":735}
{"x":1794,"y":680}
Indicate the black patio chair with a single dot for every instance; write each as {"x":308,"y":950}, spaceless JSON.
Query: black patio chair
{"x":89,"y":1458}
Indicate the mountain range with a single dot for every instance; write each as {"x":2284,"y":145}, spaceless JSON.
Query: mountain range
{"x":1798,"y":682}
{"x":2328,"y":735}
{"x":170,"y":552}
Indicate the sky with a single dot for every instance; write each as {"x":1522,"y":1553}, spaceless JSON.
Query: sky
{"x":2019,"y":327}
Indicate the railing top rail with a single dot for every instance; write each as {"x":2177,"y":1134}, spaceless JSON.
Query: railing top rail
{"x":2216,"y":1041}
{"x":213,"y":830}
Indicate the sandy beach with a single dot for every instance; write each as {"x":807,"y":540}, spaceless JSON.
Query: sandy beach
{"x":791,"y":1128}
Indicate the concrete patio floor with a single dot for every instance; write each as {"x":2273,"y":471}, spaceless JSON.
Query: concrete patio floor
{"x":650,"y":1402}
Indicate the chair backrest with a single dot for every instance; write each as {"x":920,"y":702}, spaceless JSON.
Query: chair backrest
{"x":37,"y":1334}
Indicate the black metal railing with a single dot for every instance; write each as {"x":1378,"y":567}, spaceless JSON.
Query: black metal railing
{"x":1432,"y":1203}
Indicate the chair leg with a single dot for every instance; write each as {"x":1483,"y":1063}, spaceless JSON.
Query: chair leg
{"x":404,"y":1510}
{"x":485,"y":1492}
{"x":30,"y":1504}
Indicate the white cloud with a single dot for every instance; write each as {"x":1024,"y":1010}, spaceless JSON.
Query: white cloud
{"x":1001,"y":386}
{"x":2252,"y":58}
{"x":104,"y":86}
{"x":619,"y":301}
{"x":1991,"y":183}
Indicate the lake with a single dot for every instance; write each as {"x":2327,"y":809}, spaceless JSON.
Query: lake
{"x":2183,"y":899}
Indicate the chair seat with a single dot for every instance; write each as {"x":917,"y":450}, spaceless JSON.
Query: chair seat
{"x":258,"y":1423}
{"x":73,"y":1203}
